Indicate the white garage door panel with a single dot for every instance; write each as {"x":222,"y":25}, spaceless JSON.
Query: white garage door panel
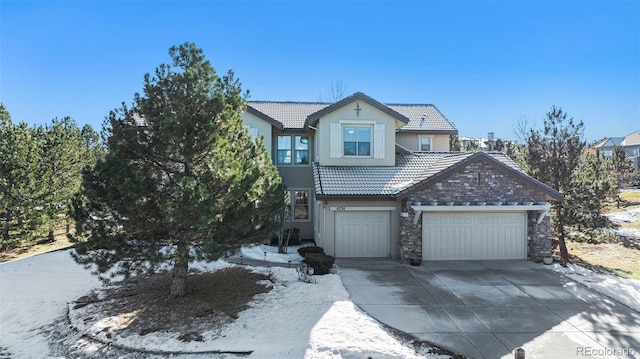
{"x":362,"y":234}
{"x":474,"y":236}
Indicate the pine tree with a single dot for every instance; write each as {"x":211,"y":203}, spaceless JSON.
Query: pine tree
{"x":623,"y":171}
{"x":454,"y":143}
{"x":64,"y":152}
{"x":20,"y":213}
{"x":591,"y":186}
{"x":553,"y":155}
{"x":181,"y":179}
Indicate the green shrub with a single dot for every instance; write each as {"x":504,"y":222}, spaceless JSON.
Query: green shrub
{"x":321,"y":263}
{"x":306,"y":250}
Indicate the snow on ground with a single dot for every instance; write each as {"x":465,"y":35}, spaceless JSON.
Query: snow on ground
{"x":34,"y":292}
{"x":624,"y":290}
{"x":294,"y":320}
{"x":270,"y":253}
{"x":631,"y":215}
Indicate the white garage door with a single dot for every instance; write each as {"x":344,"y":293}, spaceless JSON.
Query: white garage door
{"x":362,"y":234}
{"x":484,"y":235}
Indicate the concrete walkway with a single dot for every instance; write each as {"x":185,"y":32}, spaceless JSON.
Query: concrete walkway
{"x":487,"y":309}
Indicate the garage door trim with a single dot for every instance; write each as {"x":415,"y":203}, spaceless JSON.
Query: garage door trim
{"x":360,"y":239}
{"x":474,"y":235}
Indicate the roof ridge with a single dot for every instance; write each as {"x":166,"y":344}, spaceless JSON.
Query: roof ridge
{"x":291,"y":102}
{"x":409,"y":104}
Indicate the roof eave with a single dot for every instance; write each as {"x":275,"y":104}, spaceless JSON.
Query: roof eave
{"x":435,"y":132}
{"x":551,"y":193}
{"x":354,"y":197}
{"x":313,"y":118}
{"x":272,"y":121}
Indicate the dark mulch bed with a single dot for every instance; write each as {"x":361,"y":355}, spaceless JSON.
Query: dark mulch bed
{"x":212,"y":300}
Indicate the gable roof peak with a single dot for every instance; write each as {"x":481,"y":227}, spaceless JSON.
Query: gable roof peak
{"x":313,"y":118}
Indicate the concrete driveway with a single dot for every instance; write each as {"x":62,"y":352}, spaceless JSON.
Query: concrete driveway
{"x":487,"y":309}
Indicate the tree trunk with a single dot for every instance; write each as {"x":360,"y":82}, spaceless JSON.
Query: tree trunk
{"x":564,"y":253}
{"x":5,"y":231}
{"x":180,"y":268}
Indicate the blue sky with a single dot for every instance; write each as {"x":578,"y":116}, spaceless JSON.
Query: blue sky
{"x":484,"y":64}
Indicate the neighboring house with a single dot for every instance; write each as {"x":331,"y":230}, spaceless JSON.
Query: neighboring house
{"x":630,"y":143}
{"x":361,"y":177}
{"x":481,"y":143}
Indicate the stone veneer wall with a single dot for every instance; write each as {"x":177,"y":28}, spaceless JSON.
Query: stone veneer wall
{"x":477,"y":182}
{"x":539,"y":243}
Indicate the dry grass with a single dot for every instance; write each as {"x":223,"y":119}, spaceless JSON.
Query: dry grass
{"x":612,"y":257}
{"x":39,"y":246}
{"x":630,"y":199}
{"x":609,"y":257}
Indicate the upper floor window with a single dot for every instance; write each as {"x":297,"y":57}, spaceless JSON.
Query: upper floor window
{"x":293,"y":150}
{"x":357,"y":140}
{"x":425,"y":144}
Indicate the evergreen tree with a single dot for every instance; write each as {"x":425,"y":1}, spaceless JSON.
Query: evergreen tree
{"x":591,"y":185}
{"x":517,"y":153}
{"x":553,"y":156}
{"x":181,"y":179}
{"x":472,"y":146}
{"x":64,"y":152}
{"x":454,"y":143}
{"x":20,"y":213}
{"x":498,"y":145}
{"x":623,"y":171}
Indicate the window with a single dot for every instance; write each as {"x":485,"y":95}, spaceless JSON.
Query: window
{"x":284,"y":149}
{"x":253,"y":132}
{"x":425,"y":144}
{"x":302,"y":150}
{"x":300,"y":153}
{"x":357,"y":140}
{"x":299,"y":206}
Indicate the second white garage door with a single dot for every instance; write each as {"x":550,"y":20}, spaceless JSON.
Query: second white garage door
{"x":484,"y":235}
{"x":362,"y":234}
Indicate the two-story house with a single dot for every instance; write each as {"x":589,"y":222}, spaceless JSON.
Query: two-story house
{"x":630,"y":143}
{"x":367,"y":179}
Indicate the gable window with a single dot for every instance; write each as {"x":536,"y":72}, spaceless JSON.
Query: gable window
{"x":356,"y":140}
{"x":296,"y":203}
{"x":293,"y":150}
{"x":425,"y":144}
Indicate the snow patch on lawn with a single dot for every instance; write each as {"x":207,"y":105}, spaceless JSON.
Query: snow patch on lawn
{"x":270,"y":253}
{"x":293,"y":320}
{"x":624,"y":290}
{"x":628,"y":216}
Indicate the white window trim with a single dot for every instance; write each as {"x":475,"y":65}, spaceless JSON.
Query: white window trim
{"x":371,"y":141}
{"x":420,"y":143}
{"x":336,"y":142}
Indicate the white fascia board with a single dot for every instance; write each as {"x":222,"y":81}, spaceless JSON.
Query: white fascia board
{"x":487,"y":208}
{"x":361,"y":209}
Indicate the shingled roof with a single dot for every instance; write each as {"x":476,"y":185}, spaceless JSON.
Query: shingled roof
{"x":292,"y":115}
{"x":296,"y":115}
{"x":423,"y":118}
{"x":410,"y":172}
